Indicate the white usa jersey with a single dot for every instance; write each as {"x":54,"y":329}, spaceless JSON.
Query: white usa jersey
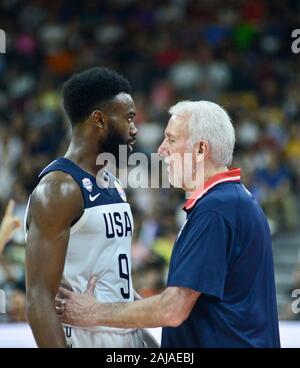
{"x":99,"y":244}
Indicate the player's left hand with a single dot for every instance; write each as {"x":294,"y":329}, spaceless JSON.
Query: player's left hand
{"x":77,"y":309}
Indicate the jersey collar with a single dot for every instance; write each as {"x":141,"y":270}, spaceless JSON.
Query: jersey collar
{"x":223,"y":177}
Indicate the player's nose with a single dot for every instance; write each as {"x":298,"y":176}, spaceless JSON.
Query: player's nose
{"x":133,"y":130}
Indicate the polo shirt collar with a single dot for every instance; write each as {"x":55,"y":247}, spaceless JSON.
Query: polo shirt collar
{"x":223,"y":177}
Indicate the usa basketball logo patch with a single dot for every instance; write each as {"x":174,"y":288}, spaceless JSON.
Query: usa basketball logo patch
{"x":120,"y":191}
{"x":87,"y":184}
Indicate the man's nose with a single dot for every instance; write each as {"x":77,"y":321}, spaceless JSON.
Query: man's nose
{"x":162,"y":149}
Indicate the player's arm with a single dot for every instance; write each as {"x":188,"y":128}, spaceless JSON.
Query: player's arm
{"x":170,"y":308}
{"x":55,"y":203}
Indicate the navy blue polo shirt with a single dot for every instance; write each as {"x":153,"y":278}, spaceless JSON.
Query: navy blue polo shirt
{"x":224,"y":251}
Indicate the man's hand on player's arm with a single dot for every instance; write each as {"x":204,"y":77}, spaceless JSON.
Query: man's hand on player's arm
{"x":55,"y":203}
{"x":136,"y":295}
{"x":170,"y":308}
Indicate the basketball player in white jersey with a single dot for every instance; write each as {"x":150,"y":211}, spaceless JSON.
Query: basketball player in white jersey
{"x":77,"y":227}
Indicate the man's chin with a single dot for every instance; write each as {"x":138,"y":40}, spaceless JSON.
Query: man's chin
{"x":181,"y":184}
{"x":176,"y":183}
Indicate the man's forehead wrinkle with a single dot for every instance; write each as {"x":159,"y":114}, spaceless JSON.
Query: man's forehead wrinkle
{"x":181,"y":116}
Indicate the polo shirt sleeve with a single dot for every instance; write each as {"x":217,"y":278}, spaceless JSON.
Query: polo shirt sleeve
{"x":201,"y":261}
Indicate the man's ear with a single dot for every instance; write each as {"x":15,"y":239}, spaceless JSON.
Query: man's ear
{"x":98,"y":118}
{"x":202,"y":150}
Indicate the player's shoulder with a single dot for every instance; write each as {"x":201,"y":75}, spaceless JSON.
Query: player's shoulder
{"x":57,"y":192}
{"x":57,"y":184}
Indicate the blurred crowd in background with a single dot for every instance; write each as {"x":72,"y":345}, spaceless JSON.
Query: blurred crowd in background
{"x":235,"y":53}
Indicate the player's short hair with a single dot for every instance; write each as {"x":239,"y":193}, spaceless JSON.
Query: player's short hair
{"x":209,"y":121}
{"x":87,"y":90}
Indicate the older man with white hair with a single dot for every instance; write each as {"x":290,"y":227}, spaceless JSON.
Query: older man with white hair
{"x":220,"y":289}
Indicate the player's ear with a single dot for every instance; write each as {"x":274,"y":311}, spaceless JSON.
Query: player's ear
{"x":98,"y":118}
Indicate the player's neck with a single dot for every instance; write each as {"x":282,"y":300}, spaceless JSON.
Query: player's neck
{"x":84,"y":155}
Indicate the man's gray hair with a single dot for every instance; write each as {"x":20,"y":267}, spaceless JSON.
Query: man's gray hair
{"x":210,"y":122}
